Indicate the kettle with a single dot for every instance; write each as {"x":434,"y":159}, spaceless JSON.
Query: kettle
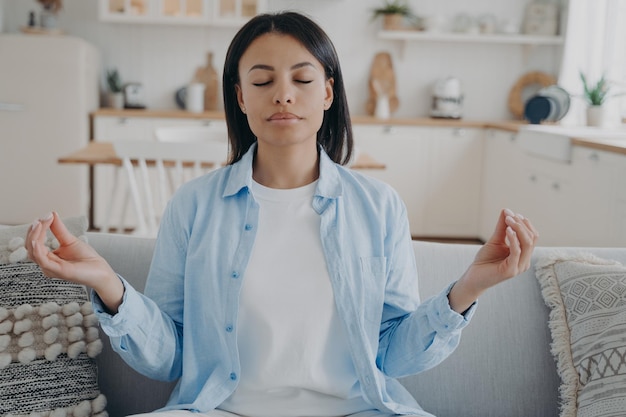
{"x":447,"y":100}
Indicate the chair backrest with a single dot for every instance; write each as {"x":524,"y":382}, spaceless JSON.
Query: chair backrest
{"x":146,"y":165}
{"x":191,"y":133}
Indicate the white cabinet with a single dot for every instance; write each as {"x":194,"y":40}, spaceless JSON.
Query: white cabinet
{"x":539,"y":188}
{"x":500,"y":162}
{"x":602,"y":200}
{"x":453,"y":181}
{"x":112,"y":128}
{"x":577,"y":203}
{"x":190,"y":12}
{"x":404,"y":156}
{"x":435,"y":170}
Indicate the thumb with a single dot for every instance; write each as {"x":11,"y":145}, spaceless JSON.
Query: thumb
{"x":58,"y":228}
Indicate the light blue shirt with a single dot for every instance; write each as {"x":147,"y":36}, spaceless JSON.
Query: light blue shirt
{"x":184,"y":327}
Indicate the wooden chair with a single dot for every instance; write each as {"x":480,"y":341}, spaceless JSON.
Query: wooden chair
{"x":146,"y":165}
{"x":212,"y":134}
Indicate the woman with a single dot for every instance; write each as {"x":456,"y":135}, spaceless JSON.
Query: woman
{"x":284,"y":284}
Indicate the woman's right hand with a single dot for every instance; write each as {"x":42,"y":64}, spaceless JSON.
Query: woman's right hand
{"x":74,"y":260}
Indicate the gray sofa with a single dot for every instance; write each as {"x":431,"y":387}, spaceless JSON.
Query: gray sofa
{"x":502,"y":368}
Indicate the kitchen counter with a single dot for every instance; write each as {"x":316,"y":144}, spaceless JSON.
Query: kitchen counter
{"x":615,"y":143}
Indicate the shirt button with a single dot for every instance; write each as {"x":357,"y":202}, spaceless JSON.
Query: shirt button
{"x":229,"y":328}
{"x":233,"y":376}
{"x":248,"y":227}
{"x":235,"y":274}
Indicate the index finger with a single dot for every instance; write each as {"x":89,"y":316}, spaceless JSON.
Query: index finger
{"x":37,"y":232}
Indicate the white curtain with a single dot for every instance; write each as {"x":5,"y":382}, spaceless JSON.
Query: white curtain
{"x":595,"y":44}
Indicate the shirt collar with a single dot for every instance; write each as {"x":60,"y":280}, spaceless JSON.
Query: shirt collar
{"x":240,"y":176}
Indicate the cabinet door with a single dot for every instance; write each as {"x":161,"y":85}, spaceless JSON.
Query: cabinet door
{"x":436,"y":171}
{"x":500,"y":178}
{"x":109,"y":129}
{"x":603,"y":201}
{"x":452,"y":201}
{"x":404,"y":155}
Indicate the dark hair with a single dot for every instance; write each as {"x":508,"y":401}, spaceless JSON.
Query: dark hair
{"x":335,"y":134}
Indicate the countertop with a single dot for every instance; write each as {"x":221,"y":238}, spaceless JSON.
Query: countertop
{"x":614,"y":143}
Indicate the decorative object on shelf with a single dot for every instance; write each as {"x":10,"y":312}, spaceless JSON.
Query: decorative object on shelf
{"x":194,"y":100}
{"x":447,"y":100}
{"x":48,"y":16}
{"x":180,"y":96}
{"x":522,"y":85}
{"x":47,"y":19}
{"x":550,"y":104}
{"x":596,"y":96}
{"x":383,"y":100}
{"x":208,"y":76}
{"x":541,"y":18}
{"x":134,"y":96}
{"x":394,"y":13}
{"x":115,"y":96}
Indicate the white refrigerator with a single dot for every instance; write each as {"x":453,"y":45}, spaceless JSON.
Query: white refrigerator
{"x":48,"y":87}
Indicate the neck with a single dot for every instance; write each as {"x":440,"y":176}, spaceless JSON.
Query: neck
{"x":286,"y":167}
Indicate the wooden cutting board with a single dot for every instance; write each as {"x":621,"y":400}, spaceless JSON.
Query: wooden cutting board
{"x":208,"y":76}
{"x":382,"y":81}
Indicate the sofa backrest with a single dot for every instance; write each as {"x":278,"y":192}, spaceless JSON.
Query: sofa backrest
{"x":503,"y":366}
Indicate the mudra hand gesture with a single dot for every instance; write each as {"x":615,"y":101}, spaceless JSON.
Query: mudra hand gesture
{"x":74,"y":260}
{"x":506,"y":254}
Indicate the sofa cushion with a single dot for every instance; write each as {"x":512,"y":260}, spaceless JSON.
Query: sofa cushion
{"x":48,"y":336}
{"x":587,"y":298}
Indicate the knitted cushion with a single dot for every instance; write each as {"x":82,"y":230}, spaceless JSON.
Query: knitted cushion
{"x":48,"y":337}
{"x":587,"y":298}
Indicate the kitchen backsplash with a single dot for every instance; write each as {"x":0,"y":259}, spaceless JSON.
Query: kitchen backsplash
{"x":164,"y":57}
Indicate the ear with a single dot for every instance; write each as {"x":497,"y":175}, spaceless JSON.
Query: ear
{"x":330,"y":94}
{"x":239,"y":93}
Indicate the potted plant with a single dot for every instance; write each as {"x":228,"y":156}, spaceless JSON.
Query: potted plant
{"x":394,"y":12}
{"x":115,"y":96}
{"x":596,"y":96}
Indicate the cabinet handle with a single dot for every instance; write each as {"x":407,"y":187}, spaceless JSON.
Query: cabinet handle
{"x":513,"y":137}
{"x":122,"y":120}
{"x":459,"y":132}
{"x":533,"y":178}
{"x":594,"y":157}
{"x":11,"y":107}
{"x":388,"y":129}
{"x":206,"y":122}
{"x":556,"y":186}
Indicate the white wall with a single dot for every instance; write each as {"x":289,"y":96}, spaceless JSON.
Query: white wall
{"x":164,"y":57}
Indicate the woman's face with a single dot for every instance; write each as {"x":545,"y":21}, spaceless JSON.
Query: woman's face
{"x":283,"y":91}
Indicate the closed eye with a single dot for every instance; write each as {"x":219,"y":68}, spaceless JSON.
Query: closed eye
{"x":261,"y":84}
{"x":304,"y":81}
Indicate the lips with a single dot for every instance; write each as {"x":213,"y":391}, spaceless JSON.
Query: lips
{"x":283,"y":116}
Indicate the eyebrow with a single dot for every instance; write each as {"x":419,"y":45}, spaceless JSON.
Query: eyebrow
{"x":270,"y":68}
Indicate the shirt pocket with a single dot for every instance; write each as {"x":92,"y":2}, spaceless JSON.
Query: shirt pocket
{"x":373,"y":279}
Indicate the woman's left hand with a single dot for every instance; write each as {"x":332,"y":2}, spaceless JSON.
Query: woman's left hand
{"x":506,"y":254}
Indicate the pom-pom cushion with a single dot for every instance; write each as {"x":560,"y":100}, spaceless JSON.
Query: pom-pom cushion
{"x":48,"y":336}
{"x":587,"y":300}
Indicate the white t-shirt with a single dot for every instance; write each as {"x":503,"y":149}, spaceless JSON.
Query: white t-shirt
{"x":294,"y":353}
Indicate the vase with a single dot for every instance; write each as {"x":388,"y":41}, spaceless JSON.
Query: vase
{"x":393,"y":21}
{"x":48,"y":20}
{"x":116,"y":100}
{"x":597,"y":116}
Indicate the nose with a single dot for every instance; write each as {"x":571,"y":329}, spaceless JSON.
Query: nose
{"x":283,"y":94}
